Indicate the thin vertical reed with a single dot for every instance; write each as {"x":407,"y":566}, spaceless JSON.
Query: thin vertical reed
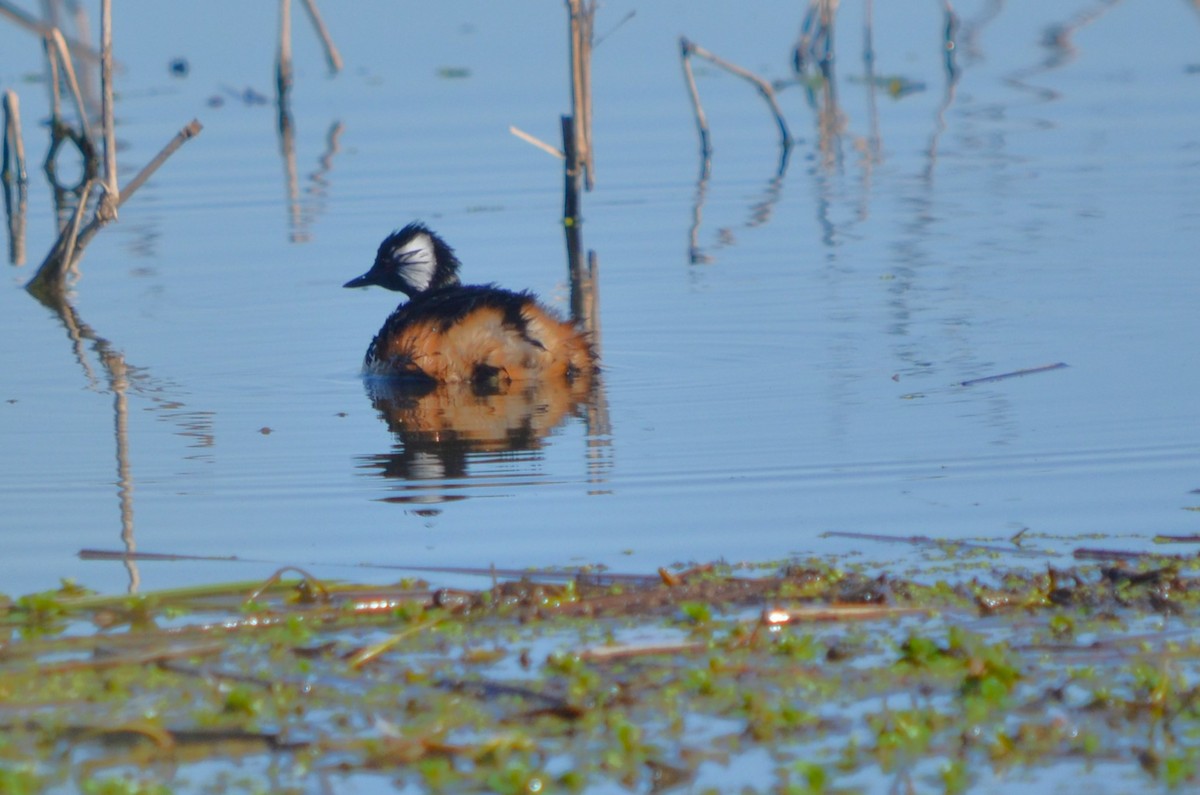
{"x":112,"y":194}
{"x":697,"y":108}
{"x":581,"y":19}
{"x":15,"y":178}
{"x":14,"y":144}
{"x":283,"y":66}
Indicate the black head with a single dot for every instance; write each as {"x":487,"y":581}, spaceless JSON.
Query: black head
{"x":411,"y":261}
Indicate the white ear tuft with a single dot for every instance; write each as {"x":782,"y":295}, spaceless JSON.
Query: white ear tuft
{"x":416,"y":261}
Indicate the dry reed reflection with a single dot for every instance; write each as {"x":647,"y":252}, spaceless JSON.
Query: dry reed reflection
{"x":760,"y":211}
{"x":299,"y":220}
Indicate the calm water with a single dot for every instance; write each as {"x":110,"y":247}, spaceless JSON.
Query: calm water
{"x":799,"y":374}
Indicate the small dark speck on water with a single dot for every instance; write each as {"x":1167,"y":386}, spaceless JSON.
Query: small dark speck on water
{"x":453,"y":72}
{"x":265,"y":430}
{"x":179,"y":67}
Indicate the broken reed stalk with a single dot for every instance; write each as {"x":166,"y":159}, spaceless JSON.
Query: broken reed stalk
{"x":112,"y":196}
{"x":697,"y":108}
{"x":71,"y":240}
{"x":582,"y":15}
{"x":690,"y":48}
{"x":535,"y":141}
{"x":51,"y":273}
{"x":14,"y":145}
{"x":56,"y":50}
{"x":332,"y":56}
{"x":283,"y":66}
{"x":14,"y":176}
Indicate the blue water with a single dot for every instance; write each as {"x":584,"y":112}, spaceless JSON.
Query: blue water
{"x":804,"y":377}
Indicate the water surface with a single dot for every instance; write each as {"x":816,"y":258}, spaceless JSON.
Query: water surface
{"x":784,"y":341}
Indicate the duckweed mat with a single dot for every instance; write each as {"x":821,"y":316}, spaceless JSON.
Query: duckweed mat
{"x":795,"y":678}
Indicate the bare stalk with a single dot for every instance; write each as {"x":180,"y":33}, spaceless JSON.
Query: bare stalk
{"x":14,"y":145}
{"x":535,"y":141}
{"x":64,"y":59}
{"x":112,"y":195}
{"x":697,"y":108}
{"x":582,"y":16}
{"x":14,"y":177}
{"x":63,"y":252}
{"x":764,"y":88}
{"x":283,"y":67}
{"x":191,"y":130}
{"x":55,"y":82}
{"x":69,"y":246}
{"x":332,"y":56}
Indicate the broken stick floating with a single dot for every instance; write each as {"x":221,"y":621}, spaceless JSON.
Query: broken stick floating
{"x":987,"y":379}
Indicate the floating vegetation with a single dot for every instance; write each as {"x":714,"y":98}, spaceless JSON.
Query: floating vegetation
{"x":896,"y":86}
{"x":792,"y":678}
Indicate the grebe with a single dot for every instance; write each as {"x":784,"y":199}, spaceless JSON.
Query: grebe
{"x":449,"y":332}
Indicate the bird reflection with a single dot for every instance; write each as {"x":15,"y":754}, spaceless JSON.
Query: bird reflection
{"x":441,"y":430}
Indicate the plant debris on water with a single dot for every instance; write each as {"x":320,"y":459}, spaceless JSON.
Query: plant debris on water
{"x":786,"y":677}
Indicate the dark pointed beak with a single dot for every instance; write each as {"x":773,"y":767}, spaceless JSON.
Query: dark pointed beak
{"x":366,"y":280}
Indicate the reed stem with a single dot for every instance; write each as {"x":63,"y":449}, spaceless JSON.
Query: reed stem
{"x":69,"y":247}
{"x":764,"y":88}
{"x":112,"y":195}
{"x":332,"y":56}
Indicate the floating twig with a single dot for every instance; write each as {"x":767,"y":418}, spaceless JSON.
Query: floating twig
{"x":987,"y":379}
{"x":777,"y":616}
{"x":940,"y":543}
{"x":1092,"y":553}
{"x":603,"y":654}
